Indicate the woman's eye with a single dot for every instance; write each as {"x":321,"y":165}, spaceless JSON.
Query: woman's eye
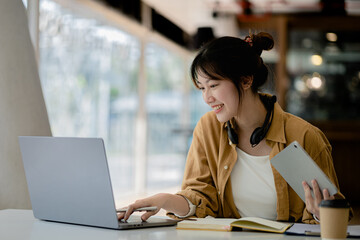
{"x":214,"y":85}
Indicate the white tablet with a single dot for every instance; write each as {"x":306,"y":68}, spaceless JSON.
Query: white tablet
{"x":295,"y":165}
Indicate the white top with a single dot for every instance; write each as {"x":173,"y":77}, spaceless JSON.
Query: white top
{"x":253,"y":186}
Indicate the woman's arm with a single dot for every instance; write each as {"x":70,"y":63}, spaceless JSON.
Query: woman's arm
{"x":170,"y":202}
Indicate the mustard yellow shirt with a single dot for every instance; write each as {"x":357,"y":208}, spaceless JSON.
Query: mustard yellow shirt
{"x":211,"y":159}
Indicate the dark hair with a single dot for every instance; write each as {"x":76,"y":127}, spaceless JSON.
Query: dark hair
{"x":233,"y":58}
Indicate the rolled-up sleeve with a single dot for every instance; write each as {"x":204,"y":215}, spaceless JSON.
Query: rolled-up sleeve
{"x":198,"y":185}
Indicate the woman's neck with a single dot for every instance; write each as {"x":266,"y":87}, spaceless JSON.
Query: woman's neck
{"x":251,"y":116}
{"x":251,"y":113}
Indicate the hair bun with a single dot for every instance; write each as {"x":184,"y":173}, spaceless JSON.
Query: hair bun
{"x":262,"y":41}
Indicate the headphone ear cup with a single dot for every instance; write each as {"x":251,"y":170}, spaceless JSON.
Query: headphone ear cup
{"x":256,"y":136}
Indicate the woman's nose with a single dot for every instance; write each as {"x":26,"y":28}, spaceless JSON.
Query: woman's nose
{"x":208,"y":97}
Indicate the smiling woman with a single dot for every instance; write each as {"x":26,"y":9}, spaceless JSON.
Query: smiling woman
{"x":224,"y":178}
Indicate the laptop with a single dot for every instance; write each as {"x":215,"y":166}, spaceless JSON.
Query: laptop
{"x":295,"y":165}
{"x":69,"y":182}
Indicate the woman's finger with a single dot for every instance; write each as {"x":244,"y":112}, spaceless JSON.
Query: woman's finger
{"x":129,"y":211}
{"x":148,"y":214}
{"x":317,"y":193}
{"x":308,"y":197}
{"x":120,"y":215}
{"x":327,"y":196}
{"x":138,"y":204}
{"x":309,"y":200}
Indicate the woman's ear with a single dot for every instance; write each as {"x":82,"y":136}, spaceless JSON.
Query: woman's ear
{"x":247,"y":82}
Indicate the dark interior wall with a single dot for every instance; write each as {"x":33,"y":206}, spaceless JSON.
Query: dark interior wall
{"x":344,"y":138}
{"x":347,"y":165}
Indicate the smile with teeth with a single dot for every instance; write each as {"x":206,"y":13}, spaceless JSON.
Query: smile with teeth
{"x":217,"y":107}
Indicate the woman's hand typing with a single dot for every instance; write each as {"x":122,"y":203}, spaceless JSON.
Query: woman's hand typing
{"x":170,"y":202}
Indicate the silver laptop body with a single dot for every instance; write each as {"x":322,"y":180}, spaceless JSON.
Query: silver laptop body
{"x":69,"y":181}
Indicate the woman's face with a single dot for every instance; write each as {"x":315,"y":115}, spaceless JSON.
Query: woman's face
{"x":221,"y":95}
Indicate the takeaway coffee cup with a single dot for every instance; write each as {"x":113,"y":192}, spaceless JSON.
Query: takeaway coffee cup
{"x":334,"y":216}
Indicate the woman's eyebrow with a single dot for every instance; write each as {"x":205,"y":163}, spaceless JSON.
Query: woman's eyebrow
{"x":207,"y":80}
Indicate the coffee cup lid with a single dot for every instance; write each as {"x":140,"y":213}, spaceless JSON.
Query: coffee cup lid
{"x":335,"y":203}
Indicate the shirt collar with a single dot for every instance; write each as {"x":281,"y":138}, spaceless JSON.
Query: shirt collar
{"x":276,"y":131}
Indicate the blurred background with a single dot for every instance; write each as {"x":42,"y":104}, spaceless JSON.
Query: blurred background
{"x":119,"y":70}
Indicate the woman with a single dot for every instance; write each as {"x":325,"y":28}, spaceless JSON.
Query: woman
{"x":228,"y":171}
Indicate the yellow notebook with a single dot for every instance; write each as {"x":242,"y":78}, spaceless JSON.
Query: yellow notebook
{"x":228,"y":224}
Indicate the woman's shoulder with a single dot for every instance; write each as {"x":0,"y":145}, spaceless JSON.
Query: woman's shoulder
{"x":308,"y":135}
{"x":291,"y":121}
{"x":299,"y":125}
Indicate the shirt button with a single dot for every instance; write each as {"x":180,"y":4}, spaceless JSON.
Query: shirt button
{"x":219,"y":192}
{"x":226,"y":167}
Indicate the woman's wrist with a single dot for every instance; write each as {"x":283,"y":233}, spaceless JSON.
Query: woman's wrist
{"x":162,"y":199}
{"x":316,"y":218}
{"x":175,"y":203}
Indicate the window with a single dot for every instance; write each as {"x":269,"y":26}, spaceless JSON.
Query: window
{"x":166,"y":117}
{"x":89,"y":75}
